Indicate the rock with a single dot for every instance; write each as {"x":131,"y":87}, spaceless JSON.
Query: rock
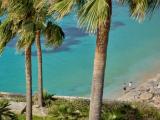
{"x":146,"y":96}
{"x":156,"y":99}
{"x":17,"y":107}
{"x":157,"y":91}
{"x":148,"y":91}
{"x":20,"y":107}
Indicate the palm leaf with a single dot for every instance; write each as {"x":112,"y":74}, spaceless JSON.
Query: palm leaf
{"x":5,"y":113}
{"x":92,"y":14}
{"x":41,"y":12}
{"x":26,"y":35}
{"x":20,"y":9}
{"x":3,"y":5}
{"x":140,"y":8}
{"x":5,"y":33}
{"x":63,"y":7}
{"x":54,"y":35}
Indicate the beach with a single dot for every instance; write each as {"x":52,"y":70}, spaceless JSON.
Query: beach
{"x":148,"y":91}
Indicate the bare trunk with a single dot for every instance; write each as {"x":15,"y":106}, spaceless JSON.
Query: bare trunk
{"x":99,"y":69}
{"x":28,"y":83}
{"x":40,"y":81}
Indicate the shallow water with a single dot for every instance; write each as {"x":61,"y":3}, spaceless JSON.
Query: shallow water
{"x":133,"y":55}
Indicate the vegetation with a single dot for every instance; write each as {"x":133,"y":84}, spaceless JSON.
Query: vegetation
{"x":5,"y":113}
{"x":139,"y":9}
{"x":61,"y":109}
{"x":53,"y":37}
{"x":68,"y":110}
{"x":47,"y":97}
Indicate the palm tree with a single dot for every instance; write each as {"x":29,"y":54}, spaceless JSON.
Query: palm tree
{"x":55,"y":39}
{"x":24,"y":30}
{"x":24,"y":21}
{"x":6,"y":34}
{"x":95,"y":16}
{"x":53,"y":34}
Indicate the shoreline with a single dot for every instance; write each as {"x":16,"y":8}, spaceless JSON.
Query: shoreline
{"x":143,"y":91}
{"x":147,"y":91}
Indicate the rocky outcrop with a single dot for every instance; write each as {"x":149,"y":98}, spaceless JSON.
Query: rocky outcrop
{"x":17,"y":107}
{"x":20,"y":108}
{"x":148,"y":91}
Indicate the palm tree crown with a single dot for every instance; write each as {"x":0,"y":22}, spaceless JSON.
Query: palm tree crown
{"x":24,"y":18}
{"x":90,"y":13}
{"x":140,"y":8}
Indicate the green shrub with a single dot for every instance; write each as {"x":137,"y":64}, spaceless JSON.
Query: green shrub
{"x":69,"y":110}
{"x":147,"y":112}
{"x":129,"y":111}
{"x":47,"y":98}
{"x":5,"y":113}
{"x":120,"y":111}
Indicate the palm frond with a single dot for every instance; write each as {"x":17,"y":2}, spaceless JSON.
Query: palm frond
{"x":41,"y":12}
{"x":5,"y":33}
{"x":5,"y":113}
{"x":26,"y":35}
{"x":92,"y":14}
{"x":20,"y":9}
{"x":54,"y":35}
{"x":63,"y":7}
{"x":140,"y":8}
{"x":5,"y":3}
{"x":3,"y":6}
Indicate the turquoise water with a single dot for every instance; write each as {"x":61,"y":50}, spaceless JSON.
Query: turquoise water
{"x":133,"y":55}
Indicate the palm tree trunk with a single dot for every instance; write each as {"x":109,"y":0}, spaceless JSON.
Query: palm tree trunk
{"x":99,"y":69}
{"x":40,"y":81}
{"x":28,"y":83}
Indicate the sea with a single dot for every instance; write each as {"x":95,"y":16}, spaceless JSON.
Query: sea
{"x":133,"y":56}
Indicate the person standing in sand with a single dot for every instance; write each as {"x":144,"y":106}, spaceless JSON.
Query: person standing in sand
{"x":130,"y":84}
{"x":125,"y":87}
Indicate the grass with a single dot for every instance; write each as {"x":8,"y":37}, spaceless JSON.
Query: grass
{"x":61,"y":109}
{"x":78,"y":110}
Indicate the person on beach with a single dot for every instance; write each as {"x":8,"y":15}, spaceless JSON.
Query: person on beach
{"x":125,"y":87}
{"x":130,"y":84}
{"x":158,"y":85}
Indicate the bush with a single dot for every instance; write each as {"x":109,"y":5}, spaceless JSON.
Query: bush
{"x":120,"y":111}
{"x":69,"y":110}
{"x":129,"y":111}
{"x":5,"y":113}
{"x":146,"y":111}
{"x":47,"y":98}
{"x":79,"y":110}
